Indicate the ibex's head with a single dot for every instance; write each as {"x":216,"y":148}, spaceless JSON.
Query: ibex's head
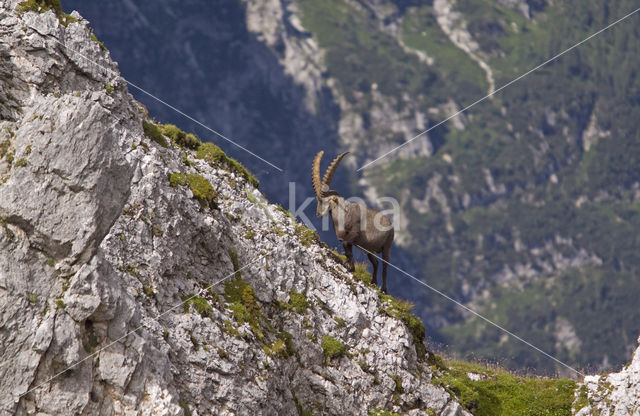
{"x":326,"y":197}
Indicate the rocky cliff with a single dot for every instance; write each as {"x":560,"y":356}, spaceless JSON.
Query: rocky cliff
{"x":142,"y":272}
{"x":615,"y":394}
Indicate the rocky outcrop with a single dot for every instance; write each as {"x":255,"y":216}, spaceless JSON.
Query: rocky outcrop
{"x":454,"y":26}
{"x":142,"y":279}
{"x":615,"y":394}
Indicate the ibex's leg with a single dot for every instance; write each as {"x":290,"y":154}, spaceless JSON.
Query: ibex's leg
{"x":386,"y":251}
{"x":348,"y":250}
{"x":374,"y":261}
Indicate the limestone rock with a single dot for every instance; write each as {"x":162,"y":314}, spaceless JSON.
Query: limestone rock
{"x":614,"y":394}
{"x":122,"y":294}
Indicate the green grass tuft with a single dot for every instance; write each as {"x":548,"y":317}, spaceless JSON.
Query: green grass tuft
{"x":153,"y":132}
{"x":180,"y":138}
{"x":298,"y":301}
{"x":200,"y":305}
{"x":42,"y":6}
{"x":360,"y":272}
{"x":200,"y":187}
{"x":305,"y":235}
{"x":499,"y":392}
{"x":213,"y":154}
{"x":243,"y":304}
{"x":332,"y":347}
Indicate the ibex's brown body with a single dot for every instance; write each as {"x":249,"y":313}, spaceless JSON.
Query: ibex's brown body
{"x":355,"y":224}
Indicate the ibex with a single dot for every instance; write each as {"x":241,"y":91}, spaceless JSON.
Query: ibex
{"x":355,"y":224}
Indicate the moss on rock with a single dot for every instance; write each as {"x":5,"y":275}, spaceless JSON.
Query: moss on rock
{"x":332,"y":347}
{"x":213,"y":154}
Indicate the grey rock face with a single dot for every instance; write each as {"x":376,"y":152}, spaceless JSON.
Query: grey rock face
{"x":101,"y":257}
{"x":614,"y":394}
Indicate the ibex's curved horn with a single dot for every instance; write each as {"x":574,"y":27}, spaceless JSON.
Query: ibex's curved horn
{"x":328,"y":176}
{"x":315,"y":174}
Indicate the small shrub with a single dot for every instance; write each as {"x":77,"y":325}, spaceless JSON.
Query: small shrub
{"x":33,"y":298}
{"x":109,"y":88}
{"x":153,"y":132}
{"x":60,"y":303}
{"x":332,"y":347}
{"x":21,"y":163}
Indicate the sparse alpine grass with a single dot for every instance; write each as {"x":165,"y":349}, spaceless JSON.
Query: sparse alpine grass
{"x":500,"y":393}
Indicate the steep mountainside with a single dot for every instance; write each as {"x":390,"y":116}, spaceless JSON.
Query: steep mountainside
{"x":524,"y":207}
{"x":142,"y":272}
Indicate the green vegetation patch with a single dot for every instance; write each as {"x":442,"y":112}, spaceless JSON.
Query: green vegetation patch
{"x":20,"y":163}
{"x":499,"y":392}
{"x":298,"y":301}
{"x":360,"y":272}
{"x":200,"y":305}
{"x":305,"y":235}
{"x":42,"y":6}
{"x":282,"y":347}
{"x":4,"y":146}
{"x":153,"y":132}
{"x":382,"y":412}
{"x":213,"y":154}
{"x":201,"y":188}
{"x":332,"y":347}
{"x":180,"y":138}
{"x":243,"y":304}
